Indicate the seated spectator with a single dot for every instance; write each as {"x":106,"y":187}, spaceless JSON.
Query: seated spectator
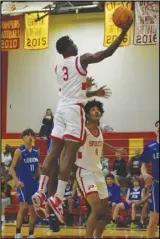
{"x":134,"y":165}
{"x":5,"y":197}
{"x":113,"y":191}
{"x":47,"y":126}
{"x":119,"y":167}
{"x":7,"y":156}
{"x":135,"y":197}
{"x":105,"y":165}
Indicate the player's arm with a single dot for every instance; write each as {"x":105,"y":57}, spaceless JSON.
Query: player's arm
{"x":16,"y":158}
{"x":127,"y":196}
{"x":114,"y":149}
{"x":88,"y":58}
{"x":145,"y":159}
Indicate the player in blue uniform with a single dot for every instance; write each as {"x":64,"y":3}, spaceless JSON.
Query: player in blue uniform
{"x":151,"y":155}
{"x":134,"y":198}
{"x":25,"y":172}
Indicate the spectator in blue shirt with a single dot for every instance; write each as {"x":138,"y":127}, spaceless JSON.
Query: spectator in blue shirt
{"x":113,"y":191}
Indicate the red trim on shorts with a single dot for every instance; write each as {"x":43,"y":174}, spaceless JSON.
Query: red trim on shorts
{"x":87,"y":194}
{"x":53,"y":137}
{"x":69,"y":136}
{"x":59,"y":89}
{"x":84,"y":192}
{"x":84,"y":85}
{"x":83,"y":74}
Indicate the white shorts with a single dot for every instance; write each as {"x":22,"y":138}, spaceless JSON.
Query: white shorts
{"x":90,"y":182}
{"x":69,"y":123}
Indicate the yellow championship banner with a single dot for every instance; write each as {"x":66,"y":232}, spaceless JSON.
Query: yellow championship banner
{"x":36,"y":32}
{"x":111,"y":32}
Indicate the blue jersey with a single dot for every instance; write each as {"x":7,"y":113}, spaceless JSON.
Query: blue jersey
{"x":27,"y":166}
{"x":135,"y":194}
{"x":114,"y":193}
{"x":151,"y":154}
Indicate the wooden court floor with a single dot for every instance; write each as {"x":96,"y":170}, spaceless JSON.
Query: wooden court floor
{"x":8,"y":231}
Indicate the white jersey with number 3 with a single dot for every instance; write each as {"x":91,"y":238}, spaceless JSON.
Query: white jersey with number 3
{"x":90,"y":153}
{"x":72,"y":80}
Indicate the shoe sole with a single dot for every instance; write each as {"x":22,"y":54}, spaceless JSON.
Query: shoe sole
{"x":40,"y":212}
{"x":55,"y":211}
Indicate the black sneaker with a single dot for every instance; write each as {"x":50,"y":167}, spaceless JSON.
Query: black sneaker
{"x":53,"y":223}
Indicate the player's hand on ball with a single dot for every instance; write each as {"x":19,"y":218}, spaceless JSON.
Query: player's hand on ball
{"x":19,"y":184}
{"x":148,"y":179}
{"x":104,"y":92}
{"x":127,"y":25}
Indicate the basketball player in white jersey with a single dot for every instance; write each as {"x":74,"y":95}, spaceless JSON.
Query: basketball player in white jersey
{"x":89,"y":173}
{"x":69,"y":119}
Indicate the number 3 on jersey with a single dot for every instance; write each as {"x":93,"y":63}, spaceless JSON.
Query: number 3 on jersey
{"x":65,"y":71}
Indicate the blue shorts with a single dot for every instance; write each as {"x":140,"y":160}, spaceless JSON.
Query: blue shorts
{"x":25,"y":194}
{"x":154,"y":200}
{"x":126,"y":205}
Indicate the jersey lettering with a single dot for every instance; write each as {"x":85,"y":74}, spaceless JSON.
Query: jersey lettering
{"x":65,"y":70}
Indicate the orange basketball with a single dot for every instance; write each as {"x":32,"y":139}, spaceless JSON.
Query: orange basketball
{"x":121,"y":16}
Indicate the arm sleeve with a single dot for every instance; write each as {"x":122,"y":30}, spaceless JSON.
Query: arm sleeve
{"x":145,"y":157}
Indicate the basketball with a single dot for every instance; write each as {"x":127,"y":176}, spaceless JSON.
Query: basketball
{"x":121,"y":16}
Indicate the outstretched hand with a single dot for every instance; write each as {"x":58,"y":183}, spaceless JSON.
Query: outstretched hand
{"x":128,"y":24}
{"x":104,"y":92}
{"x":122,"y":151}
{"x":90,"y":82}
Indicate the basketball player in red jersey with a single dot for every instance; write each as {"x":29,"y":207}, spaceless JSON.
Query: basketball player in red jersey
{"x":69,"y":119}
{"x":89,"y":173}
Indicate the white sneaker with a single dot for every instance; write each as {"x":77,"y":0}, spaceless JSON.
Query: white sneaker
{"x":56,"y":204}
{"x":30,"y":237}
{"x":18,"y":236}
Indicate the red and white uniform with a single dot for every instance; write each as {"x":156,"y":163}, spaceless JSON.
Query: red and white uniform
{"x":69,"y":119}
{"x":89,"y":174}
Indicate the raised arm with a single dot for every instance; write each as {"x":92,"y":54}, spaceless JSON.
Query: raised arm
{"x":88,"y":58}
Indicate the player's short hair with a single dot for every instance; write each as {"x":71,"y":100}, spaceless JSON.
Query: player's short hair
{"x":136,"y":179}
{"x":62,"y":44}
{"x":28,"y":132}
{"x":110,"y":175}
{"x":157,"y":122}
{"x":91,"y":104}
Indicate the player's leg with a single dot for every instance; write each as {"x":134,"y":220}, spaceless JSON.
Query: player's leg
{"x":133,"y":215}
{"x":52,"y":187}
{"x":75,"y":127}
{"x":32,"y":221}
{"x":54,"y":153}
{"x":118,"y":207}
{"x":103,"y":194}
{"x":102,"y":220}
{"x":23,"y":210}
{"x":88,"y":187}
{"x":154,"y":212}
{"x":152,"y":226}
{"x":143,"y":214}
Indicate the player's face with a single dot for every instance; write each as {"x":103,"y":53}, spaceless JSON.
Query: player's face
{"x":73,"y":49}
{"x":136,"y":184}
{"x":28,"y":139}
{"x":157,"y":129}
{"x":110,"y":181}
{"x":94,"y":114}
